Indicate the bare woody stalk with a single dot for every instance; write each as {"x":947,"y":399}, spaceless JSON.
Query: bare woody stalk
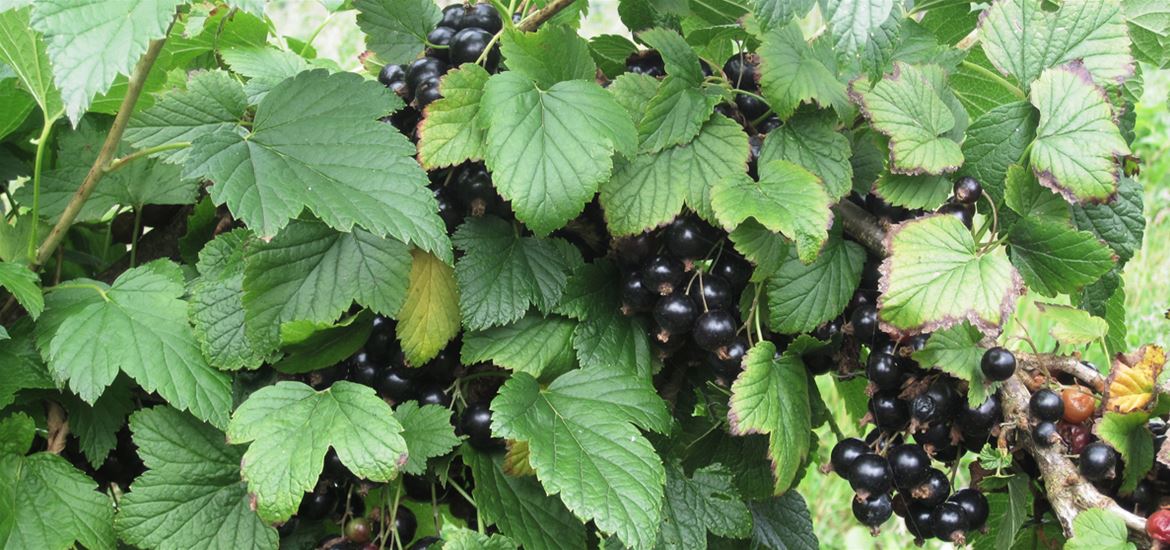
{"x":109,"y":147}
{"x":538,"y":17}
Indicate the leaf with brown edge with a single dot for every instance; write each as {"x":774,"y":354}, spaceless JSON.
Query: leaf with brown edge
{"x":1132,"y":382}
{"x":516,"y":460}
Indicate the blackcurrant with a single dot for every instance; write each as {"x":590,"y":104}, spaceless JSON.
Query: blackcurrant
{"x":974,"y":504}
{"x":440,"y":37}
{"x":362,"y":370}
{"x":473,"y":189}
{"x":949,"y":522}
{"x":450,"y":212}
{"x":890,"y":413}
{"x":909,"y":465}
{"x":424,"y":68}
{"x":883,"y":371}
{"x":981,"y":418}
{"x":869,"y":475}
{"x":453,"y":15}
{"x":819,"y":361}
{"x":967,"y":190}
{"x":1097,"y":461}
{"x":685,"y":238}
{"x":427,"y":92}
{"x":433,"y":395}
{"x":636,"y":296}
{"x":873,"y":512}
{"x":358,"y":530}
{"x":711,"y":292}
{"x":394,"y":384}
{"x":947,"y":401}
{"x":632,"y":251}
{"x":965,"y":213}
{"x":483,"y":17}
{"x":319,"y":503}
{"x":476,"y":424}
{"x":734,"y":269}
{"x":663,"y":274}
{"x":382,"y":344}
{"x":751,"y":106}
{"x":932,"y":490}
{"x":829,"y":329}
{"x":729,"y":359}
{"x":1046,"y":405}
{"x":998,"y":364}
{"x":468,"y":44}
{"x":334,"y":469}
{"x":865,"y":324}
{"x":937,"y":434}
{"x":714,"y":329}
{"x":649,"y":63}
{"x":768,"y":125}
{"x":405,"y":524}
{"x":676,"y":313}
{"x":919,"y":521}
{"x":392,"y":74}
{"x":1044,"y":433}
{"x":845,"y":452}
{"x":741,"y":72}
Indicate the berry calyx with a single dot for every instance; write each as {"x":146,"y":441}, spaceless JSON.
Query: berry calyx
{"x":1046,"y":405}
{"x":998,"y":364}
{"x":1097,"y":461}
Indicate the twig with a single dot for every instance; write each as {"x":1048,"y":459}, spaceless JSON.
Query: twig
{"x":58,"y":426}
{"x":1044,"y":362}
{"x":860,"y":225}
{"x":541,"y":15}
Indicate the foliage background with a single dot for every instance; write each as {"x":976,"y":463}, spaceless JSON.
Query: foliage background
{"x":1147,"y":278}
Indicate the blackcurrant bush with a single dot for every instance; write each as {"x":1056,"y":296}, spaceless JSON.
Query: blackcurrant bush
{"x":714,"y":329}
{"x":982,"y":418}
{"x":909,"y":465}
{"x":873,"y":512}
{"x":427,"y":92}
{"x":933,"y":490}
{"x":468,"y":44}
{"x":685,"y":238}
{"x":453,"y":15}
{"x":883,"y":371}
{"x":740,"y":70}
{"x":998,"y":364}
{"x":734,"y":269}
{"x":1044,"y":433}
{"x":869,"y":475}
{"x":358,"y":530}
{"x":424,"y":68}
{"x":967,"y":190}
{"x":663,"y":274}
{"x":711,"y":292}
{"x":392,"y":74}
{"x":1097,"y":461}
{"x":974,"y":504}
{"x":751,"y":106}
{"x":476,"y":424}
{"x":845,"y":452}
{"x":949,"y":522}
{"x":405,"y":524}
{"x":865,"y":324}
{"x":890,"y":413}
{"x":1046,"y":405}
{"x":676,"y":313}
{"x":965,"y":213}
{"x":483,"y":17}
{"x":636,"y":296}
{"x":1079,"y":405}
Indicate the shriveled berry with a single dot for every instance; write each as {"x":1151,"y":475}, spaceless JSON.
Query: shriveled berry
{"x":873,"y":512}
{"x":845,"y":452}
{"x":1075,"y":436}
{"x":1046,"y":405}
{"x":1079,"y":405}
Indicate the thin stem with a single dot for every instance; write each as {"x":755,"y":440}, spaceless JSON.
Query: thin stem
{"x":313,"y":35}
{"x":995,"y":77}
{"x":541,"y":15}
{"x":133,"y":91}
{"x":80,"y":285}
{"x":394,"y":512}
{"x":119,"y":163}
{"x":134,"y":237}
{"x":38,"y":167}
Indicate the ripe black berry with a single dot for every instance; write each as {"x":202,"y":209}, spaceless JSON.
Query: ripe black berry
{"x":909,"y":465}
{"x":981,"y":418}
{"x":890,"y":413}
{"x":453,"y":16}
{"x":391,"y":75}
{"x":741,"y":72}
{"x":711,"y":292}
{"x":1044,"y":433}
{"x":714,"y":329}
{"x":998,"y":364}
{"x":476,"y":424}
{"x":965,"y":213}
{"x":441,"y":37}
{"x":728,"y":360}
{"x":865,"y":324}
{"x":974,"y":504}
{"x":483,"y":17}
{"x":685,"y":238}
{"x":936,"y":434}
{"x":648,"y":63}
{"x":635,"y":295}
{"x":933,"y":490}
{"x":362,"y":370}
{"x":950,"y":520}
{"x":451,"y":214}
{"x":1097,"y":461}
{"x":751,"y":106}
{"x":319,"y":503}
{"x":427,"y":92}
{"x":829,"y":329}
{"x":873,"y":512}
{"x":883,"y":371}
{"x":869,"y":475}
{"x":1046,"y":405}
{"x":422,"y":69}
{"x":663,"y":274}
{"x":433,"y":395}
{"x":967,"y":190}
{"x":394,"y":383}
{"x":734,"y":269}
{"x":405,"y":524}
{"x":675,"y":313}
{"x":468,"y":44}
{"x":919,"y":521}
{"x":768,"y":125}
{"x":845,"y":452}
{"x":473,"y":189}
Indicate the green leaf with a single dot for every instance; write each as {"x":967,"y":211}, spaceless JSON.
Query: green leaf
{"x":1023,"y":39}
{"x":590,"y":292}
{"x":1131,"y":436}
{"x":265,"y":67}
{"x":1149,"y":30}
{"x":1026,"y":197}
{"x":813,"y":142}
{"x":1106,"y":299}
{"x":21,"y":283}
{"x":1119,"y":223}
{"x":428,"y":433}
{"x":979,"y":87}
{"x":771,"y":13}
{"x":584,"y":445}
{"x":533,"y":345}
{"x":23,"y":50}
{"x":633,"y":92}
{"x":48,"y":504}
{"x":462,"y":538}
{"x":90,"y":44}
{"x":15,"y":106}
{"x":502,"y":274}
{"x":1097,"y":529}
{"x":137,"y":325}
{"x":16,"y":434}
{"x":396,"y":30}
{"x":316,"y":142}
{"x":915,"y":192}
{"x":310,"y":272}
{"x":851,"y":22}
{"x":1071,"y":326}
{"x":792,"y":72}
{"x":707,"y":501}
{"x":191,"y":495}
{"x":450,"y":132}
{"x":995,"y":141}
{"x":614,"y":340}
{"x":311,"y":346}
{"x":936,"y":277}
{"x":23,"y":368}
{"x":520,"y":507}
{"x":956,"y":351}
{"x":1055,"y":259}
{"x":905,"y":106}
{"x":769,"y":251}
{"x":802,"y":297}
{"x":291,"y":427}
{"x":1077,"y":141}
{"x":96,"y":426}
{"x":675,"y":115}
{"x":213,"y":102}
{"x":788,"y":199}
{"x":651,"y":189}
{"x":217,"y":305}
{"x":610,"y":52}
{"x":1009,"y":512}
{"x":552,"y":54}
{"x":782,"y":522}
{"x":548,"y":150}
{"x":770,"y":397}
{"x":429,"y":317}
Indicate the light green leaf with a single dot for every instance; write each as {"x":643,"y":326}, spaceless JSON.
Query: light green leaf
{"x":310,"y":272}
{"x":396,"y":30}
{"x":1130,"y":435}
{"x":90,"y":43}
{"x":502,"y":274}
{"x":1098,"y":530}
{"x":770,"y":13}
{"x":915,"y":192}
{"x":15,"y":105}
{"x":1023,"y":39}
{"x":191,"y":495}
{"x":520,"y":507}
{"x":676,"y":113}
{"x":16,"y":434}
{"x":549,"y":150}
{"x":46,"y":503}
{"x":552,"y":54}
{"x":995,"y":141}
{"x":905,"y":106}
{"x":21,"y":283}
{"x":429,"y":317}
{"x":787,"y":199}
{"x":1071,"y":326}
{"x":1149,"y":29}
{"x":813,"y":142}
{"x":291,"y":427}
{"x":534,"y":345}
{"x":792,"y":72}
{"x":462,"y":538}
{"x":264,"y":66}
{"x":1055,"y":259}
{"x":633,"y":92}
{"x":1119,"y":223}
{"x":23,"y":50}
{"x":707,"y":501}
{"x":610,"y":52}
{"x":316,"y":142}
{"x":137,"y":325}
{"x":1077,"y":142}
{"x":213,"y":101}
{"x":651,"y":189}
{"x":1026,"y":197}
{"x":770,"y":397}
{"x":980,"y":87}
{"x":802,"y":297}
{"x":853,"y":21}
{"x":584,"y":445}
{"x":766,"y":249}
{"x":428,"y":433}
{"x":956,"y":351}
{"x":450,"y":133}
{"x":936,"y":277}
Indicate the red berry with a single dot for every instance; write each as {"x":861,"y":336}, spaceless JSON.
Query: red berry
{"x":1079,"y":405}
{"x":358,"y":530}
{"x":1158,"y":525}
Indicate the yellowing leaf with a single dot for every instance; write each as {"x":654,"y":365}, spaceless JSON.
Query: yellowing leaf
{"x":516,"y":460}
{"x":430,"y":315}
{"x":1132,"y":381}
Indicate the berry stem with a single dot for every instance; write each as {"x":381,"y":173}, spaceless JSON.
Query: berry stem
{"x":134,"y":237}
{"x":119,"y":163}
{"x":38,"y":167}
